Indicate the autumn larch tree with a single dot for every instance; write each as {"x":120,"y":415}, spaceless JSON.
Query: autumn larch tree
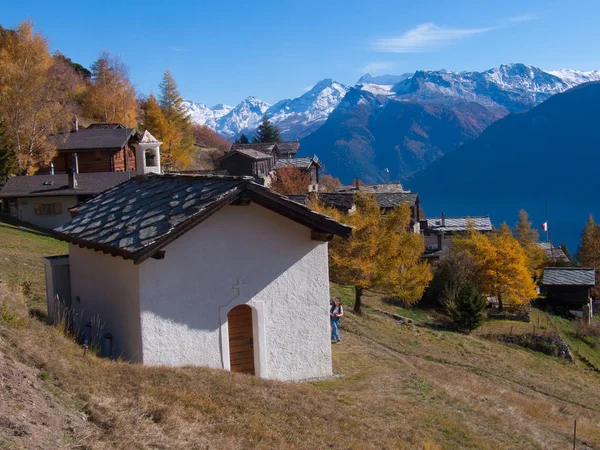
{"x":178,"y":136}
{"x":328,"y":183}
{"x":501,"y":265}
{"x":35,"y":97}
{"x":528,"y":239}
{"x":588,"y":252}
{"x":111,"y":98}
{"x":290,"y":180}
{"x":266,"y":132}
{"x":382,"y":253}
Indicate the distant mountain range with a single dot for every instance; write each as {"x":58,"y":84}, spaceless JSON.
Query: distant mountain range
{"x":389,"y":126}
{"x":551,"y":152}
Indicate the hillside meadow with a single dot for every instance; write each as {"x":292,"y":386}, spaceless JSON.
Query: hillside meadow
{"x":414,"y":386}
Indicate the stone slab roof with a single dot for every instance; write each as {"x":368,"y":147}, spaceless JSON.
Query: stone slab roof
{"x":345,"y":200}
{"x":269,"y":147}
{"x":136,"y":219}
{"x":305,"y":162}
{"x":554,"y":253}
{"x":386,"y":187}
{"x":481,"y":223}
{"x":569,"y":276}
{"x":50,"y":185}
{"x":94,"y":138}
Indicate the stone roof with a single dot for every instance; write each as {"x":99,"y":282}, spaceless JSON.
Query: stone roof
{"x":480,"y":223}
{"x":136,"y":219}
{"x":345,"y":200}
{"x":386,"y":187}
{"x":94,"y":138}
{"x":554,"y":253}
{"x":305,"y":162}
{"x":269,"y":147}
{"x":48,"y":185}
{"x":569,"y":276}
{"x":250,"y":153}
{"x":147,"y":138}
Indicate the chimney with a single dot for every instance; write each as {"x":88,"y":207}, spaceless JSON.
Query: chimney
{"x":356,"y":184}
{"x":51,"y":168}
{"x":72,"y":179}
{"x":443,"y":219}
{"x":75,"y":124}
{"x":440,"y":240}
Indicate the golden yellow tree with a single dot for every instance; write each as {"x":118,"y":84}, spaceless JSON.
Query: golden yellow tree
{"x":588,"y":252}
{"x":501,"y":265}
{"x":110,"y":96}
{"x":528,"y":239}
{"x":35,"y":96}
{"x":382,"y":253}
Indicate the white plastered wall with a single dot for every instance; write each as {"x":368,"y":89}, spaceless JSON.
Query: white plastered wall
{"x":108,"y":287}
{"x":240,"y":255}
{"x":26,"y":210}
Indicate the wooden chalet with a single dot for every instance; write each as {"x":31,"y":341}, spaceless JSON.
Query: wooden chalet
{"x":102,"y":147}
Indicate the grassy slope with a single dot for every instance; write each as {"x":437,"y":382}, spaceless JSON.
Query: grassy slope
{"x":404,"y":387}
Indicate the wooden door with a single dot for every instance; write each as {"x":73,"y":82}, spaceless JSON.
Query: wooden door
{"x":241,"y":345}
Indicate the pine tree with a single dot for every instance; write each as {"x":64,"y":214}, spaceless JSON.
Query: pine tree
{"x":588,"y":252}
{"x":382,"y":253}
{"x":243,"y":139}
{"x":267,"y":132}
{"x":467,"y":310}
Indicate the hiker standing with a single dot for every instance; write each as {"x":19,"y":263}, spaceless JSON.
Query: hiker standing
{"x":336,"y":311}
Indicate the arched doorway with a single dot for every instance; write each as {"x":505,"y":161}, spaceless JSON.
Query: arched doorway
{"x":241,"y":339}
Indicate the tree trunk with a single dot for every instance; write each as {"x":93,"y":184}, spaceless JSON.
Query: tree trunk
{"x":357,"y":298}
{"x":500,"y":305}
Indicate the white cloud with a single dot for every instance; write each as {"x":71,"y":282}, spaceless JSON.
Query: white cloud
{"x":522,"y":18}
{"x":377,"y":67}
{"x":426,"y":37}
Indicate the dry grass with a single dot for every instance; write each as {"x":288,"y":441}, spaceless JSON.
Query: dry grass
{"x":404,"y":387}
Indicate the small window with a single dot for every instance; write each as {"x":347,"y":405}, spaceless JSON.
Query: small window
{"x":150,"y":159}
{"x":47,"y":209}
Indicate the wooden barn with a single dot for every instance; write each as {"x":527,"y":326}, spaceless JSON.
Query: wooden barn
{"x":568,"y":288}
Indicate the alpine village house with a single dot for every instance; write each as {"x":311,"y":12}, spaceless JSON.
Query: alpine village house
{"x":88,"y":162}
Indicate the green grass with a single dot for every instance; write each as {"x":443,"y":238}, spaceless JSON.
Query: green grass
{"x":412,"y":387}
{"x":21,"y":260}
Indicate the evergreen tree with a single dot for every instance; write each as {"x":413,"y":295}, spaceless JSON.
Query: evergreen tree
{"x":267,"y":132}
{"x":467,"y":310}
{"x":243,"y":139}
{"x":588,"y":252}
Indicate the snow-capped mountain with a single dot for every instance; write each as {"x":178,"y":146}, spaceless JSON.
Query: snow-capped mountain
{"x":575,"y":77}
{"x":301,"y":116}
{"x":204,"y":115}
{"x":244,"y":117}
{"x":504,"y":89}
{"x":514,"y":87}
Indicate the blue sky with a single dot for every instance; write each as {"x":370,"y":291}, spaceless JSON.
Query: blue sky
{"x":224,"y":51}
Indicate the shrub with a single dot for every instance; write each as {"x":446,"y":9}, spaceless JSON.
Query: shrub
{"x":467,"y":310}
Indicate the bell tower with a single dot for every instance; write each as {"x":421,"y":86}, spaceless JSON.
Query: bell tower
{"x":147,"y":154}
